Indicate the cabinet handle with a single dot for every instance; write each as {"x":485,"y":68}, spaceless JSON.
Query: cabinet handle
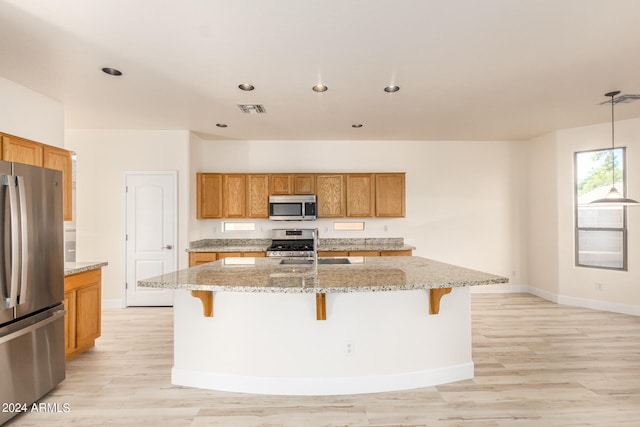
{"x":167,"y":247}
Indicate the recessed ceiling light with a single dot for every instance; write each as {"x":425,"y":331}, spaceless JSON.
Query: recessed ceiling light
{"x":111,"y":71}
{"x":320,"y":88}
{"x":246,"y":86}
{"x":356,"y":125}
{"x":391,"y":89}
{"x":221,"y":125}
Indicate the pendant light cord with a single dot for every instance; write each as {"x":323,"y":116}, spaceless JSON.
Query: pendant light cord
{"x":613,"y":153}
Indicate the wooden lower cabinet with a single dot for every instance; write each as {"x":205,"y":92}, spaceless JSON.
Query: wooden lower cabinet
{"x":396,"y":253}
{"x":199,"y":258}
{"x":364,"y":253}
{"x":82,"y":300}
{"x":324,"y":254}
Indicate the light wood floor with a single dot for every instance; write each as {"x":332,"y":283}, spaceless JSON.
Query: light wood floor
{"x":536,"y":364}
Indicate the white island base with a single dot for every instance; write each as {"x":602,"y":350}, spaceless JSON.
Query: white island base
{"x":271,"y":343}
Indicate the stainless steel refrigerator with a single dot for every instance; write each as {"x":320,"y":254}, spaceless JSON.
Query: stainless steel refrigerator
{"x":31,"y":285}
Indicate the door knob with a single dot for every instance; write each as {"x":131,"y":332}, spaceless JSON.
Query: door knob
{"x":167,"y":247}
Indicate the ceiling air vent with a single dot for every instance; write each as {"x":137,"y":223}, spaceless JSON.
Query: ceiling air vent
{"x":252,"y":108}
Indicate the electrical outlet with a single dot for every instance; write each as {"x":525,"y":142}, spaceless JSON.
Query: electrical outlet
{"x":386,"y":228}
{"x":215,"y":229}
{"x":598,"y":286}
{"x":349,"y":348}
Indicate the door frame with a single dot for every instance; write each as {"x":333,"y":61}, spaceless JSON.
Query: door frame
{"x":174,"y":174}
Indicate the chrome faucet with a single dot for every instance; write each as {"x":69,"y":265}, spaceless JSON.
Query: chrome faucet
{"x":316,"y":241}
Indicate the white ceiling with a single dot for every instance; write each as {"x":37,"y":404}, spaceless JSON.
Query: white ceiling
{"x":467,"y":69}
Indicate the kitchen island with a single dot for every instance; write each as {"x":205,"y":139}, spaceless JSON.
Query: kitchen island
{"x":322,"y":327}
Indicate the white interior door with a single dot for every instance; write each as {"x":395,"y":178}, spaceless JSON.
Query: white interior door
{"x":151,"y":211}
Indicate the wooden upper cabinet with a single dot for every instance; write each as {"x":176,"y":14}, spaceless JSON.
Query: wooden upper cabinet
{"x":339,"y":195}
{"x":234,"y":196}
{"x":360,"y":195}
{"x":60,"y":159}
{"x":209,"y":195}
{"x":330,"y":190}
{"x":304,"y":183}
{"x":390,"y":194}
{"x":257,"y":196}
{"x":21,"y":150}
{"x":292,"y":183}
{"x":281,"y":184}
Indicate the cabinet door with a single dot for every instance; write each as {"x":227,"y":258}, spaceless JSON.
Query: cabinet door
{"x":198,"y":258}
{"x":364,"y":253}
{"x":390,"y":195}
{"x":21,"y":150}
{"x":87,"y":314}
{"x":360,"y":195}
{"x":223,"y":255}
{"x":234,"y":196}
{"x":69,"y":322}
{"x":331,"y":199}
{"x":407,"y":252}
{"x":330,"y":254}
{"x":209,"y":195}
{"x":304,"y":183}
{"x":254,"y":254}
{"x":257,"y":196}
{"x":59,"y":159}
{"x":281,"y":184}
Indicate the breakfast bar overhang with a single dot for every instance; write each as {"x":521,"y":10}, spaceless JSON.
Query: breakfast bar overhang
{"x":367,"y":324}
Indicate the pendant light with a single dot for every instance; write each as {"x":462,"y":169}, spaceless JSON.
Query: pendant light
{"x":614,"y":197}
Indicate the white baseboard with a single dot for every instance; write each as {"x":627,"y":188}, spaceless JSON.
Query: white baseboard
{"x":325,"y":386}
{"x":543,"y":294}
{"x":600,"y":305}
{"x":560,"y":299}
{"x":113,"y":303}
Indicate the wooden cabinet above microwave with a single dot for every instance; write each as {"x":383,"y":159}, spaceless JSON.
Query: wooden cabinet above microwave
{"x":339,"y":195}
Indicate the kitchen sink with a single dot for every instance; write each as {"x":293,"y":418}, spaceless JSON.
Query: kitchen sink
{"x":306,"y":261}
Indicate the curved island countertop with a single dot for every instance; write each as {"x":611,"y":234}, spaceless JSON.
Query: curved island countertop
{"x":363,"y":274}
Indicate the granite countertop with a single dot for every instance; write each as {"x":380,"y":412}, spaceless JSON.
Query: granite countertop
{"x":364,"y":274}
{"x":80,"y":267}
{"x":331,"y":244}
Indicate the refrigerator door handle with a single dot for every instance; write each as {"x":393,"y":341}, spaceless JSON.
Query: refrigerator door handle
{"x":24,"y":241}
{"x":10,"y":182}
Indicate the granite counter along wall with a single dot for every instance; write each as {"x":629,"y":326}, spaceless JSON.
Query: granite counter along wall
{"x":329,"y":244}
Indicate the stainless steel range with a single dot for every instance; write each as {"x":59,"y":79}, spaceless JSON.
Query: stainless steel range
{"x":297,"y":242}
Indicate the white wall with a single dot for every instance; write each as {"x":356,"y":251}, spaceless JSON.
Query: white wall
{"x":620,"y":290}
{"x":465,"y":199}
{"x":103,"y":157}
{"x":542,"y":210}
{"x":30,"y":115}
{"x":553,"y":273}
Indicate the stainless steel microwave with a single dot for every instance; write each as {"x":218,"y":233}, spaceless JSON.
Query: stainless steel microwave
{"x":292,"y":208}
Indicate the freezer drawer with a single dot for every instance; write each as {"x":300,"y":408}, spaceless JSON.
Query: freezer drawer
{"x":31,"y":358}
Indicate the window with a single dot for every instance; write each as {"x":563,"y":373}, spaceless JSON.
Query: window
{"x":601,"y":231}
